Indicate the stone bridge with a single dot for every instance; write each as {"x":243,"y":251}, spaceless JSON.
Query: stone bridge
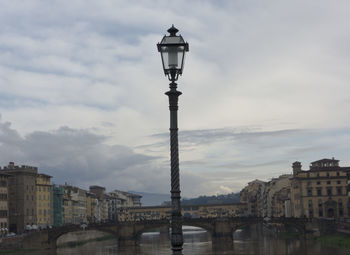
{"x":129,"y":233}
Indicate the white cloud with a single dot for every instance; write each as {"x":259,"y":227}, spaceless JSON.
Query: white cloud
{"x":94,"y":66}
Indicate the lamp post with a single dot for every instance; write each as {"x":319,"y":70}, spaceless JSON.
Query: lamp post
{"x":172,"y":49}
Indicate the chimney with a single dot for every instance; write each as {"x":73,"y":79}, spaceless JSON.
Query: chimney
{"x":296,"y":167}
{"x":11,"y":165}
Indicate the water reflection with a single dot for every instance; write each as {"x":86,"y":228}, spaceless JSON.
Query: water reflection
{"x":252,"y":241}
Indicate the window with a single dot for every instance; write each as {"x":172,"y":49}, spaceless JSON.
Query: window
{"x":338,"y":182}
{"x":339,"y":190}
{"x":328,"y":182}
{"x":309,"y":191}
{"x":318,"y":183}
{"x":340,"y":206}
{"x":327,"y":174}
{"x":329,"y":191}
{"x":319,"y":192}
{"x":320,"y":209}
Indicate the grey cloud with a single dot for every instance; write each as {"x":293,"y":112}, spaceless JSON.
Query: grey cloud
{"x":77,"y":156}
{"x":258,"y":165}
{"x":207,"y":136}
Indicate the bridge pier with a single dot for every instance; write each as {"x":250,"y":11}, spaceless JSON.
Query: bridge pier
{"x":125,"y":241}
{"x":127,"y":236}
{"x":164,"y":231}
{"x":222,"y":235}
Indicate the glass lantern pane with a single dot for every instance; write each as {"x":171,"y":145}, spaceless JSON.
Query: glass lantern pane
{"x":180,"y":55}
{"x":172,"y":57}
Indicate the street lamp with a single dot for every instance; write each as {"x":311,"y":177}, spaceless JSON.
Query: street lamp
{"x":172,"y":49}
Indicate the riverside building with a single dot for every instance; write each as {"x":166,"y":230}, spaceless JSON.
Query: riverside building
{"x":320,"y":191}
{"x":4,"y":209}
{"x":44,"y":201}
{"x":22,"y":196}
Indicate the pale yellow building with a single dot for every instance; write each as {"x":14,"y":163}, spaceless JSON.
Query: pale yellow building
{"x":280,"y":203}
{"x":44,"y":206}
{"x":74,"y":205}
{"x":67,"y":208}
{"x":276,"y":196}
{"x":91,"y":207}
{"x":320,"y":191}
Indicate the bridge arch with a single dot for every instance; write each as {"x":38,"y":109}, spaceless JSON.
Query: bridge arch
{"x":55,"y":233}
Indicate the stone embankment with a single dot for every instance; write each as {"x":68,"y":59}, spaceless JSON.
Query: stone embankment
{"x":80,"y":237}
{"x":69,"y":239}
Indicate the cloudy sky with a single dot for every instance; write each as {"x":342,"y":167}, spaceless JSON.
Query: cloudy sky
{"x":266,"y":83}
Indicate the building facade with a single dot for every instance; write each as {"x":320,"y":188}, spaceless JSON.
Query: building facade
{"x":44,"y":205}
{"x":92,"y":215}
{"x":320,"y":191}
{"x":22,"y":196}
{"x":276,"y":198}
{"x":74,"y":205}
{"x":4,"y":209}
{"x":252,"y":195}
{"x":57,"y":194}
{"x":101,"y":202}
{"x":126,"y":199}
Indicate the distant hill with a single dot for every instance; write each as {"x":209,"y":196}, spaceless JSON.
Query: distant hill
{"x":152,"y":199}
{"x":210,"y":200}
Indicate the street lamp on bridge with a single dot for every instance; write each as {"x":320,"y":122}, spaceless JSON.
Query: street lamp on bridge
{"x":173,"y":49}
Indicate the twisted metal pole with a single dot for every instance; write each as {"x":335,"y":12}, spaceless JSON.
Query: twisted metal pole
{"x":176,"y":218}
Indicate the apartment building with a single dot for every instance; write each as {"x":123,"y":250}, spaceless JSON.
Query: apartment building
{"x":252,"y":196}
{"x":320,"y":191}
{"x":101,"y":203}
{"x":92,"y":210}
{"x":57,"y":194}
{"x":276,"y":199}
{"x":74,"y":205}
{"x":126,"y":199}
{"x":4,"y":209}
{"x":44,"y":202}
{"x":21,"y":195}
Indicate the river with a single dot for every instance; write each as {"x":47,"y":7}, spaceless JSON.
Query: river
{"x":198,"y":241}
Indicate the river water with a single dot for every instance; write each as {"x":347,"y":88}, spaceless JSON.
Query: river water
{"x":197,"y":241}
